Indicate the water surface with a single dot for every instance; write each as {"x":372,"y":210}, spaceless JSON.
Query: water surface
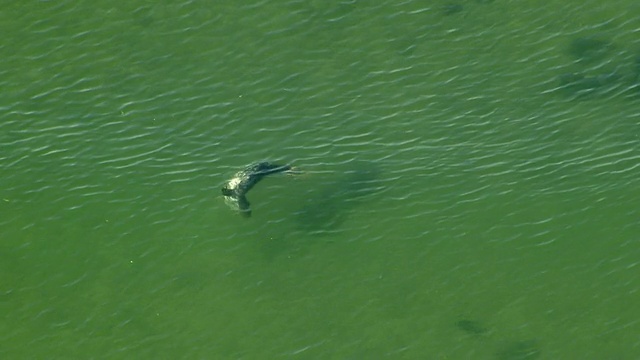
{"x":470,"y":187}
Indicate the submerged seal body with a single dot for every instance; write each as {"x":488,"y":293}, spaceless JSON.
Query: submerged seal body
{"x":235,"y":190}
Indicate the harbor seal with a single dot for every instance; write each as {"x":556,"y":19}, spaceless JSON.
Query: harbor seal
{"x":235,"y":190}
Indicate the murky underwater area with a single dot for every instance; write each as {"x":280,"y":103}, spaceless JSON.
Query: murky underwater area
{"x":469,"y":180}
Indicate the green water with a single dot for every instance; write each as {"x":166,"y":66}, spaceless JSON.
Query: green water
{"x":470,"y":187}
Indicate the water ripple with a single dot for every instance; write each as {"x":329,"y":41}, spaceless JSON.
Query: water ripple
{"x":436,"y":148}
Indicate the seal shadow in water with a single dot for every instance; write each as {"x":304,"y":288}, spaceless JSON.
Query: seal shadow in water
{"x":326,"y":209}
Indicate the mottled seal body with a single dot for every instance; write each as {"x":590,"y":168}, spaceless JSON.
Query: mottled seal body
{"x":235,"y":190}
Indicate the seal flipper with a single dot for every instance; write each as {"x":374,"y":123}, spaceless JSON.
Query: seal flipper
{"x":244,"y":206}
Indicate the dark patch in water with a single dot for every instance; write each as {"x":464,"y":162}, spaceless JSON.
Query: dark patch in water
{"x":589,"y":49}
{"x":599,"y":69}
{"x":326,"y":211}
{"x":471,"y":327}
